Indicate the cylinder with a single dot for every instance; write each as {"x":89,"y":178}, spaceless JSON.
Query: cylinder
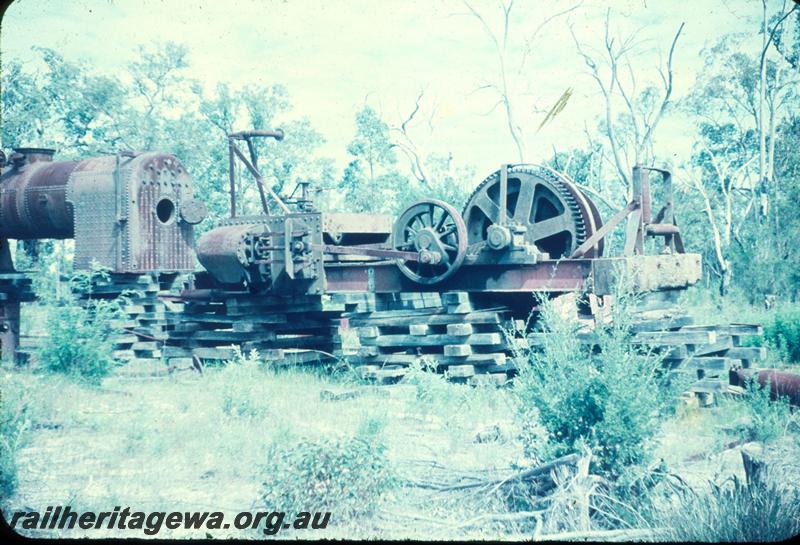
{"x":33,"y":201}
{"x":781,"y":383}
{"x":227,"y":252}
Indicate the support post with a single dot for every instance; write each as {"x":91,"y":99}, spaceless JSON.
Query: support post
{"x":503,"y":193}
{"x":634,"y":233}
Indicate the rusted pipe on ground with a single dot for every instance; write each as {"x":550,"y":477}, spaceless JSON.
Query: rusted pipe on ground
{"x":782,"y":383}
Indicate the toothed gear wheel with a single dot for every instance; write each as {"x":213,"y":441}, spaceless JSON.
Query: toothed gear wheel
{"x":557,"y":215}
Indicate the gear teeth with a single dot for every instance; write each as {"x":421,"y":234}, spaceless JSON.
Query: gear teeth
{"x":556,"y":182}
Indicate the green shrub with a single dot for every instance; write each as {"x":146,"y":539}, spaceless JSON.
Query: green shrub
{"x":13,"y":424}
{"x":736,"y":513}
{"x":768,"y":419}
{"x":343,"y":476}
{"x":79,"y":329}
{"x":430,"y":387}
{"x":610,"y":400}
{"x":783,"y":333}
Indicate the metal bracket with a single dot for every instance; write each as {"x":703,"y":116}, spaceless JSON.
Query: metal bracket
{"x":288,"y":262}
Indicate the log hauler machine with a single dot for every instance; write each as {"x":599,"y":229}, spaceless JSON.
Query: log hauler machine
{"x":452,"y":290}
{"x":132,"y":213}
{"x":437,"y":285}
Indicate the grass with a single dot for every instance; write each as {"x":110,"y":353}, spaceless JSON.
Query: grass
{"x":211,"y":442}
{"x":246,"y":435}
{"x":13,"y":428}
{"x":736,"y":512}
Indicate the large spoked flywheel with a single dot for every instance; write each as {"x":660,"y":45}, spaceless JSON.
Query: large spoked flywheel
{"x":551,"y":211}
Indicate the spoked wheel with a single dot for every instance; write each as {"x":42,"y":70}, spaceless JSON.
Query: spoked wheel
{"x":555,"y":214}
{"x":435,"y":230}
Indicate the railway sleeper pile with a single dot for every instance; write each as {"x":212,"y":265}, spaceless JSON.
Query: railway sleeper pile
{"x":383,"y":335}
{"x":138,"y":336}
{"x":477,"y":344}
{"x":303,"y":329}
{"x":452,"y":332}
{"x":706,"y":353}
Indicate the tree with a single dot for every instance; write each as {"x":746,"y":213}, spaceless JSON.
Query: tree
{"x":771,"y":98}
{"x":511,"y":61}
{"x":152,"y":105}
{"x":739,"y":101}
{"x":630,"y":131}
{"x":371,"y":181}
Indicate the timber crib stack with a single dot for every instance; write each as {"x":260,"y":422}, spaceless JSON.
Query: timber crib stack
{"x":139,"y":335}
{"x":704,"y":353}
{"x":284,"y":330}
{"x":476,"y":343}
{"x":451,"y":332}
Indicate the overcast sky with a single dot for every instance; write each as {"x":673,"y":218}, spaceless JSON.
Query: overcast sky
{"x":334,"y":55}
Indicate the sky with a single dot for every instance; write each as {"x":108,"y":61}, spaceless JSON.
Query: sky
{"x":336,"y":56}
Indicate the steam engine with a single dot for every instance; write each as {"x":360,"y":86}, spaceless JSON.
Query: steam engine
{"x":130,"y":212}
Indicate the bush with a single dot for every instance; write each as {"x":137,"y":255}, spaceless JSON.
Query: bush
{"x":784,"y":334}
{"x":13,"y":422}
{"x":343,"y":476}
{"x":737,"y":513}
{"x":78,"y":330}
{"x":768,"y":419}
{"x":610,"y":400}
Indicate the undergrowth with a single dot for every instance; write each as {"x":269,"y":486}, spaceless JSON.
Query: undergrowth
{"x":345,"y":476}
{"x":736,"y":512}
{"x":13,"y":429}
{"x":78,"y":343}
{"x":765,"y":420}
{"x":611,"y":399}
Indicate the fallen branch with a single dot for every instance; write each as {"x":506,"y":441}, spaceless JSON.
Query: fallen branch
{"x":604,"y":535}
{"x":526,"y":475}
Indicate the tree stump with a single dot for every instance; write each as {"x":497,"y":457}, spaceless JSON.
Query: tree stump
{"x":755,"y":467}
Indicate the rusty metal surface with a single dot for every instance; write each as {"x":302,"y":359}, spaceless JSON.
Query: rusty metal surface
{"x":385,"y":277}
{"x":132,"y":212}
{"x":227,"y":252}
{"x":781,"y":383}
{"x":543,"y":205}
{"x":432,"y":228}
{"x":33,"y":199}
{"x":128,"y":213}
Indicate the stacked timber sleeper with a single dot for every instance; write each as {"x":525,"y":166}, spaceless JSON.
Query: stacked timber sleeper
{"x":299,"y":329}
{"x":147,"y":320}
{"x":454,"y":334}
{"x":476,"y":344}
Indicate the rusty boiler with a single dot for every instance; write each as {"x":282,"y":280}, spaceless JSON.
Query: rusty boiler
{"x":130,"y":212}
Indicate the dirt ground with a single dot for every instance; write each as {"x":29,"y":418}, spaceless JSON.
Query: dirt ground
{"x":200,"y":442}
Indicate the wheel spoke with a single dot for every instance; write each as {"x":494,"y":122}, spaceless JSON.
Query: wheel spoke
{"x":522,"y":210}
{"x":442,"y":219}
{"x":449,"y":230}
{"x":549,"y":227}
{"x":488,"y":207}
